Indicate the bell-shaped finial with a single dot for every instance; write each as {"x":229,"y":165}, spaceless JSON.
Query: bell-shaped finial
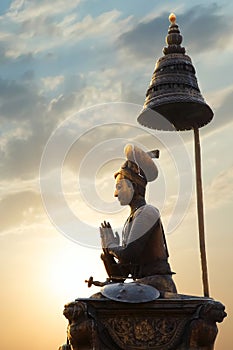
{"x":174,"y":38}
{"x":173,"y":91}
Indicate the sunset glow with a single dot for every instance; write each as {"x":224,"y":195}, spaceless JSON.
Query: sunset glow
{"x":75,"y":74}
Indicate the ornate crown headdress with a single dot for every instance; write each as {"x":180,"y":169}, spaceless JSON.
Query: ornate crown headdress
{"x":139,"y":166}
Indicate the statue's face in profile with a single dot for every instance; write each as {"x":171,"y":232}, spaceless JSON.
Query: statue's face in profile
{"x":124,"y":190}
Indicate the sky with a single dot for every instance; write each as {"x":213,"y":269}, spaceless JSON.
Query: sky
{"x":73,"y":79}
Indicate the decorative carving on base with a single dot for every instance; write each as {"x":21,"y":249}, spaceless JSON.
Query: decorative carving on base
{"x":145,"y":333}
{"x":182,"y":323}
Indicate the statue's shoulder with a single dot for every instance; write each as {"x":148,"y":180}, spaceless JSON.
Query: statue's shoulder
{"x":148,"y":210}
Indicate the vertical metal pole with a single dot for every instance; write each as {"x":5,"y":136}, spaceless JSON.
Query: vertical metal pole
{"x":200,"y":211}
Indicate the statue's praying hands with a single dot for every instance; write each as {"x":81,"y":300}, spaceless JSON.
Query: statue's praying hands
{"x":108,"y":238}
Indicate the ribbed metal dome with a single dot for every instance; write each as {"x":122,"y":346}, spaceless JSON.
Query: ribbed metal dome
{"x":173,"y":91}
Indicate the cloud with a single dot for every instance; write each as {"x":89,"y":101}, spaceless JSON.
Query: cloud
{"x":27,"y":19}
{"x":96,"y":26}
{"x":220,"y":190}
{"x":216,"y":195}
{"x":21,"y":10}
{"x":29,"y":116}
{"x":203,"y":27}
{"x":26,"y":125}
{"x":30,"y":24}
{"x":223,"y":114}
{"x":18,"y":101}
{"x":52,"y":82}
{"x":23,"y":114}
{"x":141,"y":43}
{"x":19,"y":209}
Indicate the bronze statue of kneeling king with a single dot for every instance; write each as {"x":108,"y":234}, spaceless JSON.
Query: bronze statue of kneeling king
{"x":147,"y":313}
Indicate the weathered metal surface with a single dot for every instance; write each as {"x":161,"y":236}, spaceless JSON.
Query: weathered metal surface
{"x":133,"y":292}
{"x":173,"y":91}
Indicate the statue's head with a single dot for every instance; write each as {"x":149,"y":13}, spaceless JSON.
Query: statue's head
{"x":134,"y":174}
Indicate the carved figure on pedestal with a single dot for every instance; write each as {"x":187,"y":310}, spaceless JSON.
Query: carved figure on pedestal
{"x":81,"y":327}
{"x":143,"y":254}
{"x":203,"y":329}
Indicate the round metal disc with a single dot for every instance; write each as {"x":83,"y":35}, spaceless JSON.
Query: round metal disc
{"x":133,"y":292}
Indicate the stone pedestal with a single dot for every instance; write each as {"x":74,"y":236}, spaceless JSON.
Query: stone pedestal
{"x":175,"y":322}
